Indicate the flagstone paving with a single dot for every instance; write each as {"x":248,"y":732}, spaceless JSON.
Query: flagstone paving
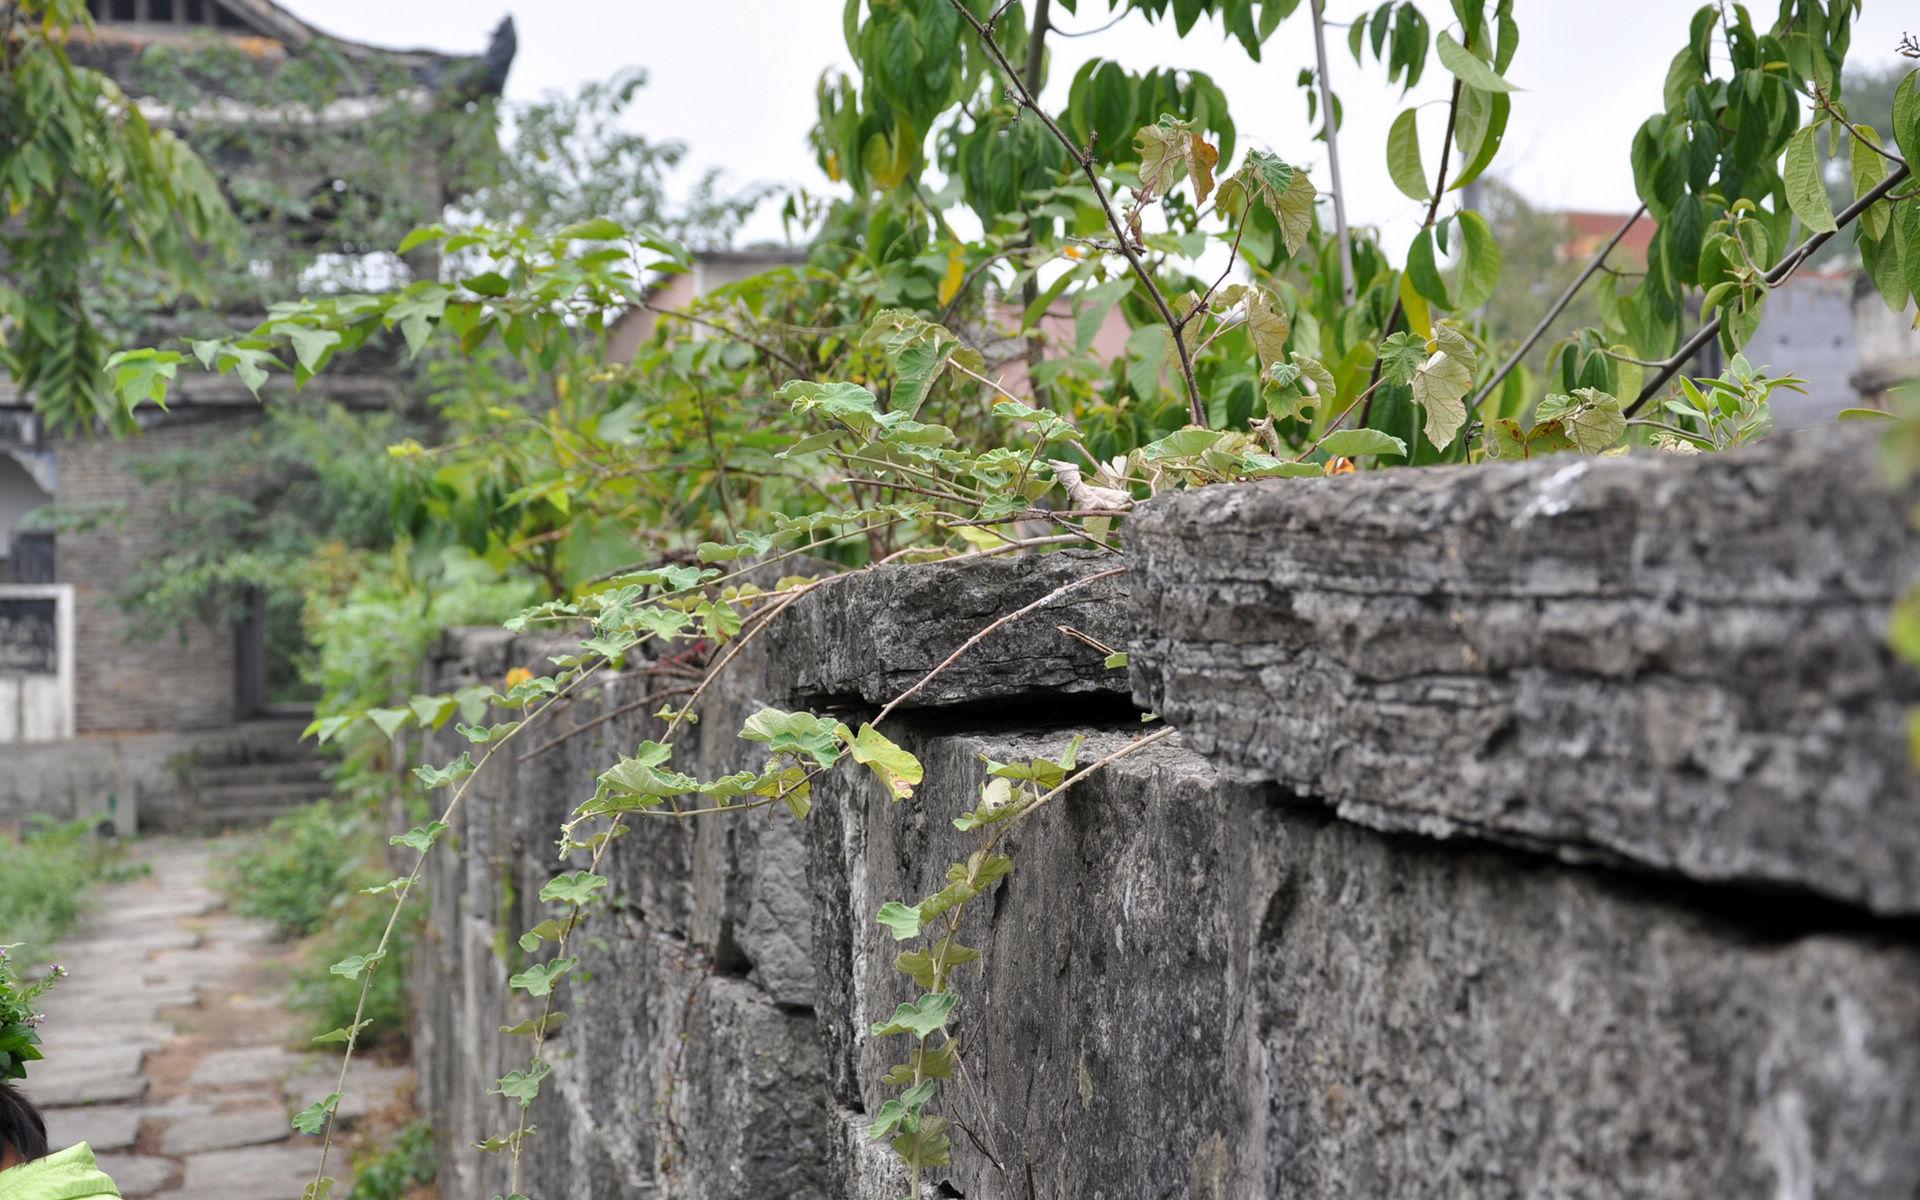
{"x":169,"y":1049}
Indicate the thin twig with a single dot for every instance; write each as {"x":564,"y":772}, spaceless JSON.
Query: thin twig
{"x":1553,"y":312}
{"x":1001,"y":622}
{"x":1774,"y":278}
{"x":1084,"y":158}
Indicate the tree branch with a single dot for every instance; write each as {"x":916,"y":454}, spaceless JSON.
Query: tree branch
{"x":1774,"y":278}
{"x":1084,"y":158}
{"x":1553,"y":312}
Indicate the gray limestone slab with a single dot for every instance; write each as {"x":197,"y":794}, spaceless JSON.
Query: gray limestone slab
{"x":224,"y":1131}
{"x":139,"y":1175}
{"x":246,"y":1066}
{"x":253,"y":1173}
{"x":1679,"y":663}
{"x":58,"y":1091}
{"x":105,"y":1127}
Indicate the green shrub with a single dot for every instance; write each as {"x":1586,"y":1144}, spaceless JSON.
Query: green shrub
{"x":304,"y":875}
{"x":305,"y":865}
{"x":328,"y":1000}
{"x":391,"y":1173}
{"x":47,"y":875}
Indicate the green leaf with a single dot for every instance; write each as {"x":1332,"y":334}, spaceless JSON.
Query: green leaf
{"x":1171,"y":151}
{"x":352,"y":965}
{"x":800,"y":734}
{"x":573,"y":887}
{"x":918,"y":351}
{"x":1441,"y":384}
{"x":389,"y":719}
{"x":546,"y":931}
{"x":1147,"y":349}
{"x":924,"y":1016}
{"x":1400,"y":356}
{"x":1481,"y":128}
{"x":898,"y":770}
{"x":599,"y":229}
{"x":1182,"y":443}
{"x":1267,"y":326}
{"x":902,"y":919}
{"x":541,"y":1025}
{"x":539,"y":979}
{"x":1424,"y":274}
{"x":420,"y":237}
{"x":1116,"y":661}
{"x":1868,"y":170}
{"x":432,"y":711}
{"x":1403,"y":157}
{"x":1864,"y":414}
{"x":523,"y":1086}
{"x":1480,"y":261}
{"x":1592,"y":419}
{"x":1468,"y":69}
{"x":849,"y":403}
{"x":1352,"y":443}
{"x":487,"y":283}
{"x":1806,"y":193}
{"x":1285,"y":190}
{"x":1906,"y":117}
{"x":310,"y":346}
{"x":439,"y":777}
{"x":313,"y":1118}
{"x":420,"y":837}
{"x":321,"y":729}
{"x":343,"y":1034}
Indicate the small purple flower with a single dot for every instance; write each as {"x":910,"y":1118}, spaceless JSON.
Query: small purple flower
{"x":34,"y":1019}
{"x":57,"y":971}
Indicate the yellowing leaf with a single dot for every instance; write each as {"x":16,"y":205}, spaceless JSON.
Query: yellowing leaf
{"x":1267,"y":325}
{"x":1171,"y":151}
{"x":1441,"y":384}
{"x":1284,"y":189}
{"x":956,"y":274}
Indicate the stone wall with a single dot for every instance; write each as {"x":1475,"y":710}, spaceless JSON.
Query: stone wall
{"x":1531,"y":830}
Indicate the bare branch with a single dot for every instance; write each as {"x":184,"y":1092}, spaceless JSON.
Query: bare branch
{"x":1774,"y":278}
{"x":1553,"y":312}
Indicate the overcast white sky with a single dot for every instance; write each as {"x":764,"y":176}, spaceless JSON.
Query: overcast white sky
{"x":734,"y":79}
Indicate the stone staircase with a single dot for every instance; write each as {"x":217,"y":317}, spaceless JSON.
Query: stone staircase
{"x":264,"y":770}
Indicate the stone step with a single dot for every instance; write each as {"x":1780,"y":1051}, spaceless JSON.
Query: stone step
{"x":224,"y":798}
{"x":306,"y":770}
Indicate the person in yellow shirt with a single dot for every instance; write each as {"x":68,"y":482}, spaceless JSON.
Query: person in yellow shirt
{"x":29,"y":1172}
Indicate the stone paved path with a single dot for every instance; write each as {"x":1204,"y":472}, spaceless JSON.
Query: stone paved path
{"x":168,"y":1048}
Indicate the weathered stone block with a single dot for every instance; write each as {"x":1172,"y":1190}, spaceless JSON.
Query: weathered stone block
{"x":868,"y":637}
{"x":1677,"y":662}
{"x":1195,"y":988}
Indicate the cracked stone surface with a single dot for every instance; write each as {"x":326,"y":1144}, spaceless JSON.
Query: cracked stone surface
{"x":868,"y":638}
{"x":170,"y":1052}
{"x":1677,"y":663}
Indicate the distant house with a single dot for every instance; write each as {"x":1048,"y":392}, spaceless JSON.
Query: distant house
{"x":93,"y":716}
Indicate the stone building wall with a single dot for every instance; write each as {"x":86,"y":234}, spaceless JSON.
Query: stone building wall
{"x":1530,"y":830}
{"x":129,"y":681}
